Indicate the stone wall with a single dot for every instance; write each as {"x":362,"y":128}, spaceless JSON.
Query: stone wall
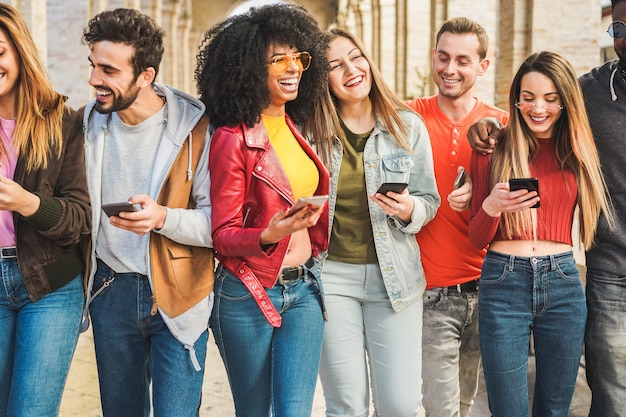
{"x":398,"y":33}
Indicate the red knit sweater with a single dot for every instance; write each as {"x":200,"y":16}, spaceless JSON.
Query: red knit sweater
{"x":557,"y":192}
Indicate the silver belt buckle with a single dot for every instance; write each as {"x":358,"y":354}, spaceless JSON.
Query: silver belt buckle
{"x":9,"y":252}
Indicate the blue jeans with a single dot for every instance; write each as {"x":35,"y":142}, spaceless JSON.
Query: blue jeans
{"x":135,"y":348}
{"x":605,"y":344}
{"x":37,"y":343}
{"x":451,"y":352}
{"x":271,"y":371}
{"x":365,"y":339}
{"x":518,"y":296}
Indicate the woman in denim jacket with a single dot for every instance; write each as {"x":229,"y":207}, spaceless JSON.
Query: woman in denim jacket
{"x":373,"y":277}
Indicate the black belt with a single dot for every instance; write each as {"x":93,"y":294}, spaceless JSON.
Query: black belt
{"x":9,"y":252}
{"x":471,"y":286}
{"x":292,"y":273}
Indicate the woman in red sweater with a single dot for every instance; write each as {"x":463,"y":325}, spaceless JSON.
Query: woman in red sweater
{"x":529,"y":282}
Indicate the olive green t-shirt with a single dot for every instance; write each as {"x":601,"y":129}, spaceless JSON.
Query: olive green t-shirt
{"x":351,"y":238}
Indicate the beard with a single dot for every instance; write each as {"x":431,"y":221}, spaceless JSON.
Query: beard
{"x":121,"y":102}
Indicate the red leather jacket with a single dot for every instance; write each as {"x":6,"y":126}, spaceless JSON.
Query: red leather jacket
{"x":249,"y":186}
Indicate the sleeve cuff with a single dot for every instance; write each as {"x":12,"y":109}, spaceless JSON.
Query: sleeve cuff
{"x":48,"y":215}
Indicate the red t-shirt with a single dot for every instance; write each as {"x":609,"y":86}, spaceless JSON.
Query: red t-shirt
{"x":558,"y":192}
{"x":447,"y":255}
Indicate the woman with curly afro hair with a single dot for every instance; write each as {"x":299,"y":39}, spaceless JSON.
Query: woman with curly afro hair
{"x":261,"y":74}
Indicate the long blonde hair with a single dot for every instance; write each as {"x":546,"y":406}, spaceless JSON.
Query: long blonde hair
{"x":385,"y":103}
{"x":574,"y":146}
{"x":39,"y":109}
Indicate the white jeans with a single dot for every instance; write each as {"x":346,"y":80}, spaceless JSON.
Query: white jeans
{"x":362,"y":330}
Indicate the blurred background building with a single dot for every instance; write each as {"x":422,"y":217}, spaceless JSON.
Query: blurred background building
{"x":399,"y":34}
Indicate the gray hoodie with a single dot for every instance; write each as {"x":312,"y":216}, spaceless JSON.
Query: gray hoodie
{"x":186,"y":226}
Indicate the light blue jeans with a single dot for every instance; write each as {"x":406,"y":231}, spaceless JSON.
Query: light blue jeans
{"x":37,"y":343}
{"x":271,"y":371}
{"x":605,"y":344}
{"x":451,"y":352}
{"x":364,"y":330}
{"x":542,"y":296}
{"x":136,"y":352}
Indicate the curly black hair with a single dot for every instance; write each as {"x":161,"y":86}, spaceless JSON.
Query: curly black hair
{"x":231,"y":72}
{"x":130,"y":27}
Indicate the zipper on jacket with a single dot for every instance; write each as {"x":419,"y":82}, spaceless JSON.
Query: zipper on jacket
{"x":245,"y":217}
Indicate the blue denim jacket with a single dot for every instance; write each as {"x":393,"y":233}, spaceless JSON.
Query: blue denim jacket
{"x":396,"y":247}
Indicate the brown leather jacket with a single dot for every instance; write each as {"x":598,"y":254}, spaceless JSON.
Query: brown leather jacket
{"x":48,"y":251}
{"x":182,"y":275}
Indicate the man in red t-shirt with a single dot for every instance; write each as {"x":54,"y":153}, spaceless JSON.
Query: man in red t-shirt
{"x":451,"y":353}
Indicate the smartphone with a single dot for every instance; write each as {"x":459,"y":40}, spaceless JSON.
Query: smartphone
{"x":114,"y":209}
{"x":530,"y":184}
{"x":396,"y":187}
{"x":460,"y":179}
{"x":316,"y":201}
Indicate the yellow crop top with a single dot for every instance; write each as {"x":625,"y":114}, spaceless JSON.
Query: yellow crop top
{"x":300,"y":169}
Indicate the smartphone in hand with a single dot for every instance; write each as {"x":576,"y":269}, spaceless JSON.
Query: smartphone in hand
{"x":315,"y":201}
{"x":396,"y":187}
{"x":460,"y":179}
{"x":114,"y":209}
{"x":530,"y":184}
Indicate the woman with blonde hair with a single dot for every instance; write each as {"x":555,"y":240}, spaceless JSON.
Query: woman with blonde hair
{"x":373,"y":276}
{"x":44,"y":215}
{"x":529,"y":282}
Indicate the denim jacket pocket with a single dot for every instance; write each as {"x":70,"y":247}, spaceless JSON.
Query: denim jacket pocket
{"x":397,"y":168}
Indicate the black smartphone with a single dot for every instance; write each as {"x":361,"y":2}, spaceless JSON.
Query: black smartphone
{"x":530,"y":184}
{"x":460,"y":179}
{"x":396,"y":187}
{"x":114,"y":209}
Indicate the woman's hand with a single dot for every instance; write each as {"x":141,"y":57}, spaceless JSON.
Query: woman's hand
{"x":288,"y":221}
{"x":396,"y":204}
{"x":15,"y":198}
{"x":501,"y":199}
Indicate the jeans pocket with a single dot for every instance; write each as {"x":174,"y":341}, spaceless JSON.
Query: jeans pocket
{"x":493,"y":271}
{"x":229,"y":287}
{"x":101,"y":283}
{"x":433,"y":299}
{"x":568,"y":271}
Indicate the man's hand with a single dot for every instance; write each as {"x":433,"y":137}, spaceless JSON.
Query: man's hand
{"x":150,"y":217}
{"x":459,"y":199}
{"x":483,"y":134}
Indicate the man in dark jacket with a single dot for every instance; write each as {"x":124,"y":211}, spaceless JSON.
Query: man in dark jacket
{"x":604,"y":89}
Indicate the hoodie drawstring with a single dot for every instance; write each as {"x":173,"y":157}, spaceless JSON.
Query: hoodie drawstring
{"x":611,"y":85}
{"x":189,"y":170}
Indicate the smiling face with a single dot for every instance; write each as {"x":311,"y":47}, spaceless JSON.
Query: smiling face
{"x":538,"y":104}
{"x":457,"y":64}
{"x":112,"y":76}
{"x":283,"y":87}
{"x":9,"y":69}
{"x":349,"y":76}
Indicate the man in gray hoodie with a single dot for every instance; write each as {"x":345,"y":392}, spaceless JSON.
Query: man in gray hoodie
{"x":151,"y":274}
